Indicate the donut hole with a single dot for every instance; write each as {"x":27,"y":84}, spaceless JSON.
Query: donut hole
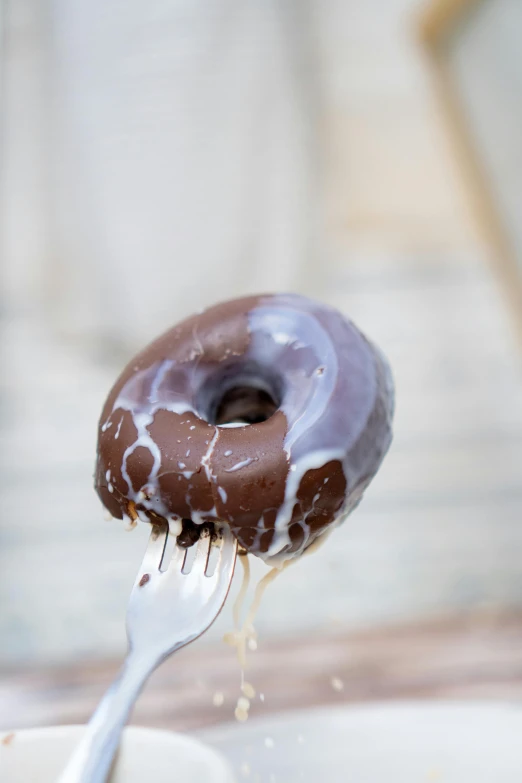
{"x":245,"y":405}
{"x":241,"y":394}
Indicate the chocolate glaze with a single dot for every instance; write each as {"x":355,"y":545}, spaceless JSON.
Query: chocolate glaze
{"x":279,"y":483}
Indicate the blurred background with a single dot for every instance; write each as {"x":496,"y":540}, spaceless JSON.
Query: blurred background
{"x":156,"y":157}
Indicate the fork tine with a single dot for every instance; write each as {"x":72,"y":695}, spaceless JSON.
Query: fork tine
{"x":199,"y":565}
{"x":227,"y":550}
{"x":178,"y":558}
{"x":225,"y":556}
{"x":155,"y":548}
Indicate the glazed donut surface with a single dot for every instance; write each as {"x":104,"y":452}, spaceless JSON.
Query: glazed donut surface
{"x":271,"y":413}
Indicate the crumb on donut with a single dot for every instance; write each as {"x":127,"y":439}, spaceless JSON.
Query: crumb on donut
{"x":191,"y":533}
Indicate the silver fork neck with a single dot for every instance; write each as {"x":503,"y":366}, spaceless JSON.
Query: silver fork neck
{"x":92,"y":759}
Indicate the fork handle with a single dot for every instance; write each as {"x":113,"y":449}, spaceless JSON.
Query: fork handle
{"x":93,"y":757}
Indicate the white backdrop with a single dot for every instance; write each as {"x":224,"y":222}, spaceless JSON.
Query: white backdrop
{"x":173,"y":156}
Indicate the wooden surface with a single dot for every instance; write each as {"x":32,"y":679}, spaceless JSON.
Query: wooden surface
{"x":475,"y":657}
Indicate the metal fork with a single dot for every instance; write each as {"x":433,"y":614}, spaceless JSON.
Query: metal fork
{"x":168,"y":608}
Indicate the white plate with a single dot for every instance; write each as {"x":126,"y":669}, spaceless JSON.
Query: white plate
{"x":386,"y":743}
{"x":146,"y":755}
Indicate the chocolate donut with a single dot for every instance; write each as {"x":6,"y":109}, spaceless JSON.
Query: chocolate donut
{"x":270,"y":413}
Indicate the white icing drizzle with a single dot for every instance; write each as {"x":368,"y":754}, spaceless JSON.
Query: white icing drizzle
{"x":239,"y":465}
{"x":205,"y":462}
{"x":222,"y":494}
{"x":244,"y":634}
{"x":175,"y":526}
{"x":117,"y":433}
{"x":199,"y":517}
